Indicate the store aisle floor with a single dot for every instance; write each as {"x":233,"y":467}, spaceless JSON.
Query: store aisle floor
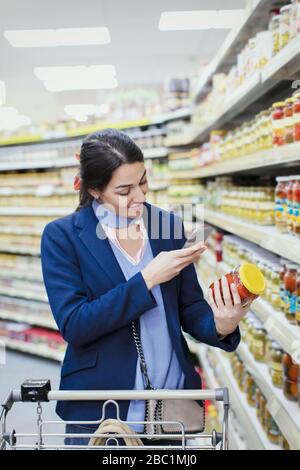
{"x":19,"y":367}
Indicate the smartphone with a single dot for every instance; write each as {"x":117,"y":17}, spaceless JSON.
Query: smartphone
{"x":198,"y":235}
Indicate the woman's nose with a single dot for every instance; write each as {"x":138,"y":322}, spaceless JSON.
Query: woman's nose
{"x":139,"y":195}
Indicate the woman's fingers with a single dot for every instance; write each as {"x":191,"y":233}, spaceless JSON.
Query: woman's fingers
{"x":211,"y":299}
{"x":226,"y":292}
{"x":218,"y":297}
{"x":235,"y":295}
{"x":183,"y":252}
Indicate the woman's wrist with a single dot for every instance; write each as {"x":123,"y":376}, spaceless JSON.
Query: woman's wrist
{"x":148,"y":279}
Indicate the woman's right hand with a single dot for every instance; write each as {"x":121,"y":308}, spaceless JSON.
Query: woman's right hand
{"x":168,"y":264}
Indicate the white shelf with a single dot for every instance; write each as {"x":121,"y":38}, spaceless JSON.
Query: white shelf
{"x":286,"y":413}
{"x":267,"y":237}
{"x":282,"y":156}
{"x":55,"y":211}
{"x":27,"y":318}
{"x":23,"y":274}
{"x":19,"y":230}
{"x":232,"y":43}
{"x":256,"y":437}
{"x":11,"y":292}
{"x":283,"y":66}
{"x":20,"y":250}
{"x":156,"y":152}
{"x":35,"y":349}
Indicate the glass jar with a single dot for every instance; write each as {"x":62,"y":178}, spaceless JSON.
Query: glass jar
{"x":249,"y":281}
{"x":290,"y":286}
{"x":280,"y":204}
{"x":284,"y":25}
{"x":250,"y":389}
{"x":296,"y":117}
{"x":288,"y":121}
{"x":295,"y":19}
{"x":259,"y":342}
{"x":278,"y":123}
{"x":298,"y":298}
{"x":276,"y":370}
{"x":289,"y":210}
{"x":262,"y":411}
{"x":274,"y":28}
{"x":275,"y":287}
{"x":284,"y":443}
{"x":290,"y":378}
{"x":296,"y":206}
{"x":273,"y":431}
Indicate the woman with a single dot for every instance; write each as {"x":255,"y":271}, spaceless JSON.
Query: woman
{"x":108,"y":264}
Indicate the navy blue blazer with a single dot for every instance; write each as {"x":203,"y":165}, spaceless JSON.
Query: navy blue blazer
{"x":93,"y":306}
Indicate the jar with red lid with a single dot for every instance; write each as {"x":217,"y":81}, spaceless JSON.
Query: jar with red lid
{"x":288,"y":121}
{"x":280,"y":204}
{"x":290,"y":286}
{"x":278,"y":123}
{"x":282,"y":272}
{"x":296,"y":206}
{"x":290,"y":377}
{"x":249,"y":281}
{"x":296,"y":117}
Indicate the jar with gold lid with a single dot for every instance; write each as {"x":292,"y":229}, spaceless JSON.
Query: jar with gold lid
{"x":276,"y":370}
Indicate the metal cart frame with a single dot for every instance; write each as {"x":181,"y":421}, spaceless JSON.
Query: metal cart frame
{"x":10,"y":440}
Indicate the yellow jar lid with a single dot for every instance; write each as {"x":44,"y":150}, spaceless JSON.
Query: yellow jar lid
{"x":252,"y":278}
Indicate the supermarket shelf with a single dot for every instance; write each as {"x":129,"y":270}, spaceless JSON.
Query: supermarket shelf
{"x":20,"y":250}
{"x":21,"y":230}
{"x":238,"y":36}
{"x":181,"y":113}
{"x":46,"y":211}
{"x":23,"y":274}
{"x":283,"y":156}
{"x":287,"y":335}
{"x":31,"y":319}
{"x":157,"y":186}
{"x":235,"y":442}
{"x":282,"y":67}
{"x":284,"y":412}
{"x":11,"y":292}
{"x":34,"y":349}
{"x":256,"y":436}
{"x":267,"y":237}
{"x":158,"y":152}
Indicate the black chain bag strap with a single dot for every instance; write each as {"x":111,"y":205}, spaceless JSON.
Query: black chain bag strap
{"x":188,"y":412}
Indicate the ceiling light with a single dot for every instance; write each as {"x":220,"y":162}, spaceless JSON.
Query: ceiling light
{"x":58,"y":37}
{"x":199,"y":19}
{"x":94,"y":77}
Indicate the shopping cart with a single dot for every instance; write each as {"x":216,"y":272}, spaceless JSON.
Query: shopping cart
{"x":39,"y":391}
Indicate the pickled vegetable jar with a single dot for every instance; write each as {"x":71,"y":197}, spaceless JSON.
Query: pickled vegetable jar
{"x":296,"y":206}
{"x":278,"y":123}
{"x":249,"y":281}
{"x":296,"y":117}
{"x":290,"y":376}
{"x":280,"y":204}
{"x":290,"y":285}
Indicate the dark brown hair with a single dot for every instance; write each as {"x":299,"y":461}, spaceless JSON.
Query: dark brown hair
{"x":101,"y":154}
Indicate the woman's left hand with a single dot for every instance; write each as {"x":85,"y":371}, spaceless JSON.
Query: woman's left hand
{"x":226,"y":315}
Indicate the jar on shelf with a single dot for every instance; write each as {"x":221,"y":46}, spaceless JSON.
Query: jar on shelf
{"x":249,"y":281}
{"x":257,"y":401}
{"x":274,"y":28}
{"x":273,"y":431}
{"x":259,"y":342}
{"x":290,"y":377}
{"x":288,"y":121}
{"x":278,"y":123}
{"x":284,"y":443}
{"x":284,"y":25}
{"x":299,"y":386}
{"x":295,"y":19}
{"x":262,"y":411}
{"x":275,"y":287}
{"x":296,"y":117}
{"x":298,"y":297}
{"x":296,"y":206}
{"x":290,"y":294}
{"x":276,"y":369}
{"x":250,"y":389}
{"x":280,"y":204}
{"x":290,"y":204}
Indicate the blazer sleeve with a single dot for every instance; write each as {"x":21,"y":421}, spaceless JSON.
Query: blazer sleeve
{"x":196,"y":315}
{"x":80,"y":320}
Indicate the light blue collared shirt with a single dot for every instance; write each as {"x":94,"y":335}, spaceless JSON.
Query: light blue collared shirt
{"x":163,"y":367}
